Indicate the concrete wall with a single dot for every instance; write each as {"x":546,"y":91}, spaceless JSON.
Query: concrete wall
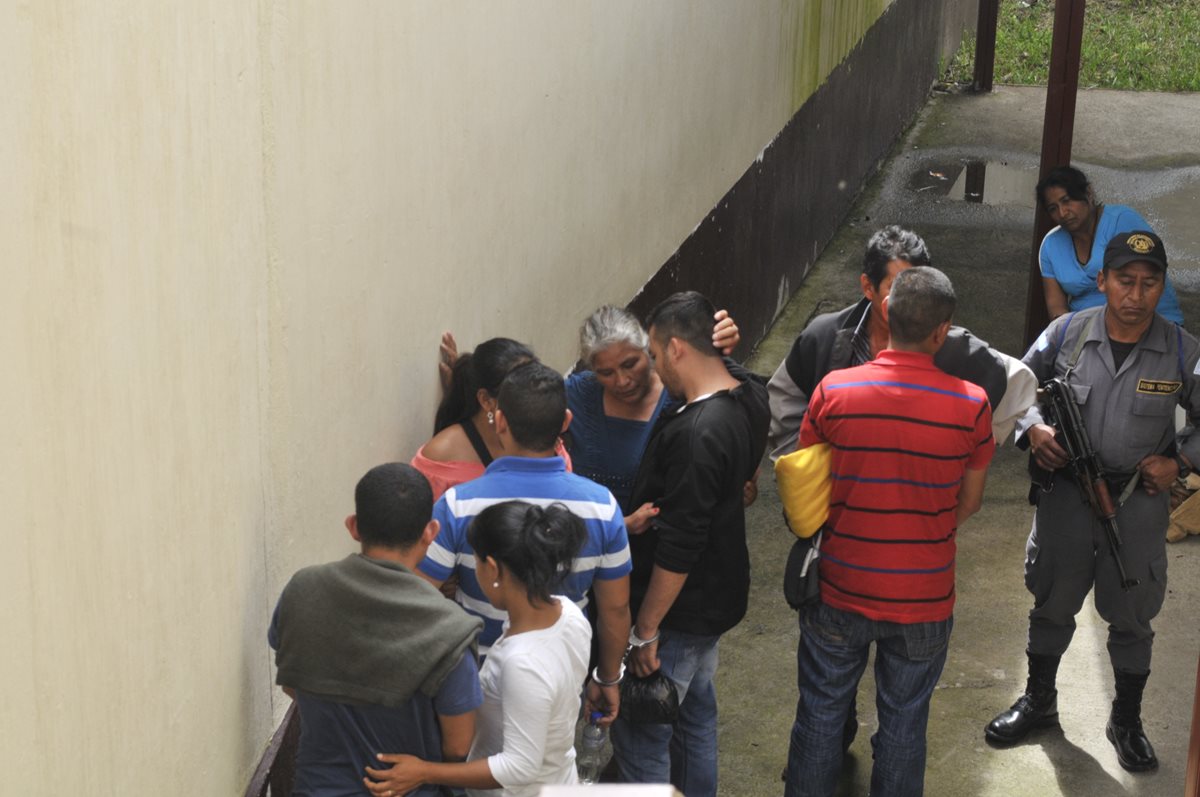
{"x":135,"y":309}
{"x":232,"y":233}
{"x":755,"y":246}
{"x":959,"y":17}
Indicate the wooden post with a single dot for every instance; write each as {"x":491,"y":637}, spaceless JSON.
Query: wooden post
{"x":985,"y":45}
{"x":1058,"y":129}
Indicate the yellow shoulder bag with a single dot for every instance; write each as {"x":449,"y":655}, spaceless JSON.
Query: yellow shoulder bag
{"x":805,"y":486}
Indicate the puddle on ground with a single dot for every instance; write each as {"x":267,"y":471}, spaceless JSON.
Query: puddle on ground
{"x":1174,"y":215}
{"x":984,"y":182}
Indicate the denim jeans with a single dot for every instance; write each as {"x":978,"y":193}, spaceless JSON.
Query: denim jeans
{"x":683,"y":754}
{"x":833,"y":651}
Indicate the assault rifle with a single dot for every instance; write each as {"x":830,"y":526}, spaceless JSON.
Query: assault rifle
{"x":1063,"y":414}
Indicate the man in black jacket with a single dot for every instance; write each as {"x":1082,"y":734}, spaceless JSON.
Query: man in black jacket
{"x":691,"y":569}
{"x":854,"y":335}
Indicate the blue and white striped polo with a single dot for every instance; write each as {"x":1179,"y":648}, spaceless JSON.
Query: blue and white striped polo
{"x":540,"y":481}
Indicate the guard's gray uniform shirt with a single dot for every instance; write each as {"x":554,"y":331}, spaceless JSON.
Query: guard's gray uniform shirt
{"x":1130,"y":412}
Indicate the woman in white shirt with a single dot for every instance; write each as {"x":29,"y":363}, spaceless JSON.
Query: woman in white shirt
{"x":531,"y":679}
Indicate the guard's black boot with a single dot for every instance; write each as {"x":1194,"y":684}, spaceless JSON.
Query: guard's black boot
{"x":1037,"y":708}
{"x":1124,"y":729}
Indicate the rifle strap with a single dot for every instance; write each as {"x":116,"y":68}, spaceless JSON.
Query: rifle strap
{"x":1082,"y":339}
{"x":1179,"y":353}
{"x":1130,"y":486}
{"x":1062,"y":334}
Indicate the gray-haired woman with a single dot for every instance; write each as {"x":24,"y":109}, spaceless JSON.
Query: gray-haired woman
{"x":616,"y":401}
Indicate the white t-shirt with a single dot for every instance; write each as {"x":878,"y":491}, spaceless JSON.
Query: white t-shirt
{"x":531,"y":684}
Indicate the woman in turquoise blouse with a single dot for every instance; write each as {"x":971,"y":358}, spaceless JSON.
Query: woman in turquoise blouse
{"x":1072,"y":253}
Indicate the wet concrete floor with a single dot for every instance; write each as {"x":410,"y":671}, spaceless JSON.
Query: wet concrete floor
{"x":984,"y":246}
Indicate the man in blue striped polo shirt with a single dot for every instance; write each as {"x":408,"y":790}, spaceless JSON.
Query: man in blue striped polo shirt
{"x":532,"y":413}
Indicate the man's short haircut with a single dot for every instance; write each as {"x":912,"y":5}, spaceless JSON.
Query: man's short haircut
{"x":393,"y":503}
{"x":921,"y":299}
{"x":1069,"y":179}
{"x":892,"y":243}
{"x":533,"y":399}
{"x":686,"y":315}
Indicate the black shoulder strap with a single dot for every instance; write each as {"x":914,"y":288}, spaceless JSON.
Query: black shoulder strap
{"x":1079,"y":342}
{"x":477,"y":443}
{"x":1062,"y":333}
{"x":1179,"y":353}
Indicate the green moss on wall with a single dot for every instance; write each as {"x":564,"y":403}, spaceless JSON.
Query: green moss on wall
{"x":821,"y":34}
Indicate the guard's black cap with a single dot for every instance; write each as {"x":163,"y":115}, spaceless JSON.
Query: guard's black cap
{"x":1132,"y":247}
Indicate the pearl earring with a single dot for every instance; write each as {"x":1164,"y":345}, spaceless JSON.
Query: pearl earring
{"x":495,"y":585}
{"x":491,"y":418}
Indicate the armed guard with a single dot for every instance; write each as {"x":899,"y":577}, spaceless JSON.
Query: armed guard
{"x":1127,"y":369}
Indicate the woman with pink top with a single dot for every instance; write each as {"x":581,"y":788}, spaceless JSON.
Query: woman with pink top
{"x":464,"y":441}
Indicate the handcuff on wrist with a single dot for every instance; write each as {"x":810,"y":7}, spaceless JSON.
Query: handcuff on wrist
{"x":637,"y":642}
{"x":620,"y":676}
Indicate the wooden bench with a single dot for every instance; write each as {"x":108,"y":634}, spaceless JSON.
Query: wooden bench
{"x":276,"y":771}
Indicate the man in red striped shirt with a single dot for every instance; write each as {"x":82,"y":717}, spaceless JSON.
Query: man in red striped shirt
{"x":911,"y":446}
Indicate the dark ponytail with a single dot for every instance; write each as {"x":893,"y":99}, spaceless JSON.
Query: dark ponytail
{"x":538,"y":546}
{"x":460,"y":401}
{"x":485,"y":369}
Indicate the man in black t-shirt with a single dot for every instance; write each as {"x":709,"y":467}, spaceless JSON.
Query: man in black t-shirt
{"x":691,"y":569}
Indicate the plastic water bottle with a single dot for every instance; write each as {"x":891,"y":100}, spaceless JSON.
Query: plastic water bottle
{"x":590,"y":758}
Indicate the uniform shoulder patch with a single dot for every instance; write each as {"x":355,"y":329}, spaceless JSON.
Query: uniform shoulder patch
{"x":1158,"y":387}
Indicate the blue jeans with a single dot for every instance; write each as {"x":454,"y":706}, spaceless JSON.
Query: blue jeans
{"x":683,"y":754}
{"x":833,"y":651}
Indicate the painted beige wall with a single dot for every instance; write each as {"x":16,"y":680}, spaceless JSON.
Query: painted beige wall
{"x":231,"y":235}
